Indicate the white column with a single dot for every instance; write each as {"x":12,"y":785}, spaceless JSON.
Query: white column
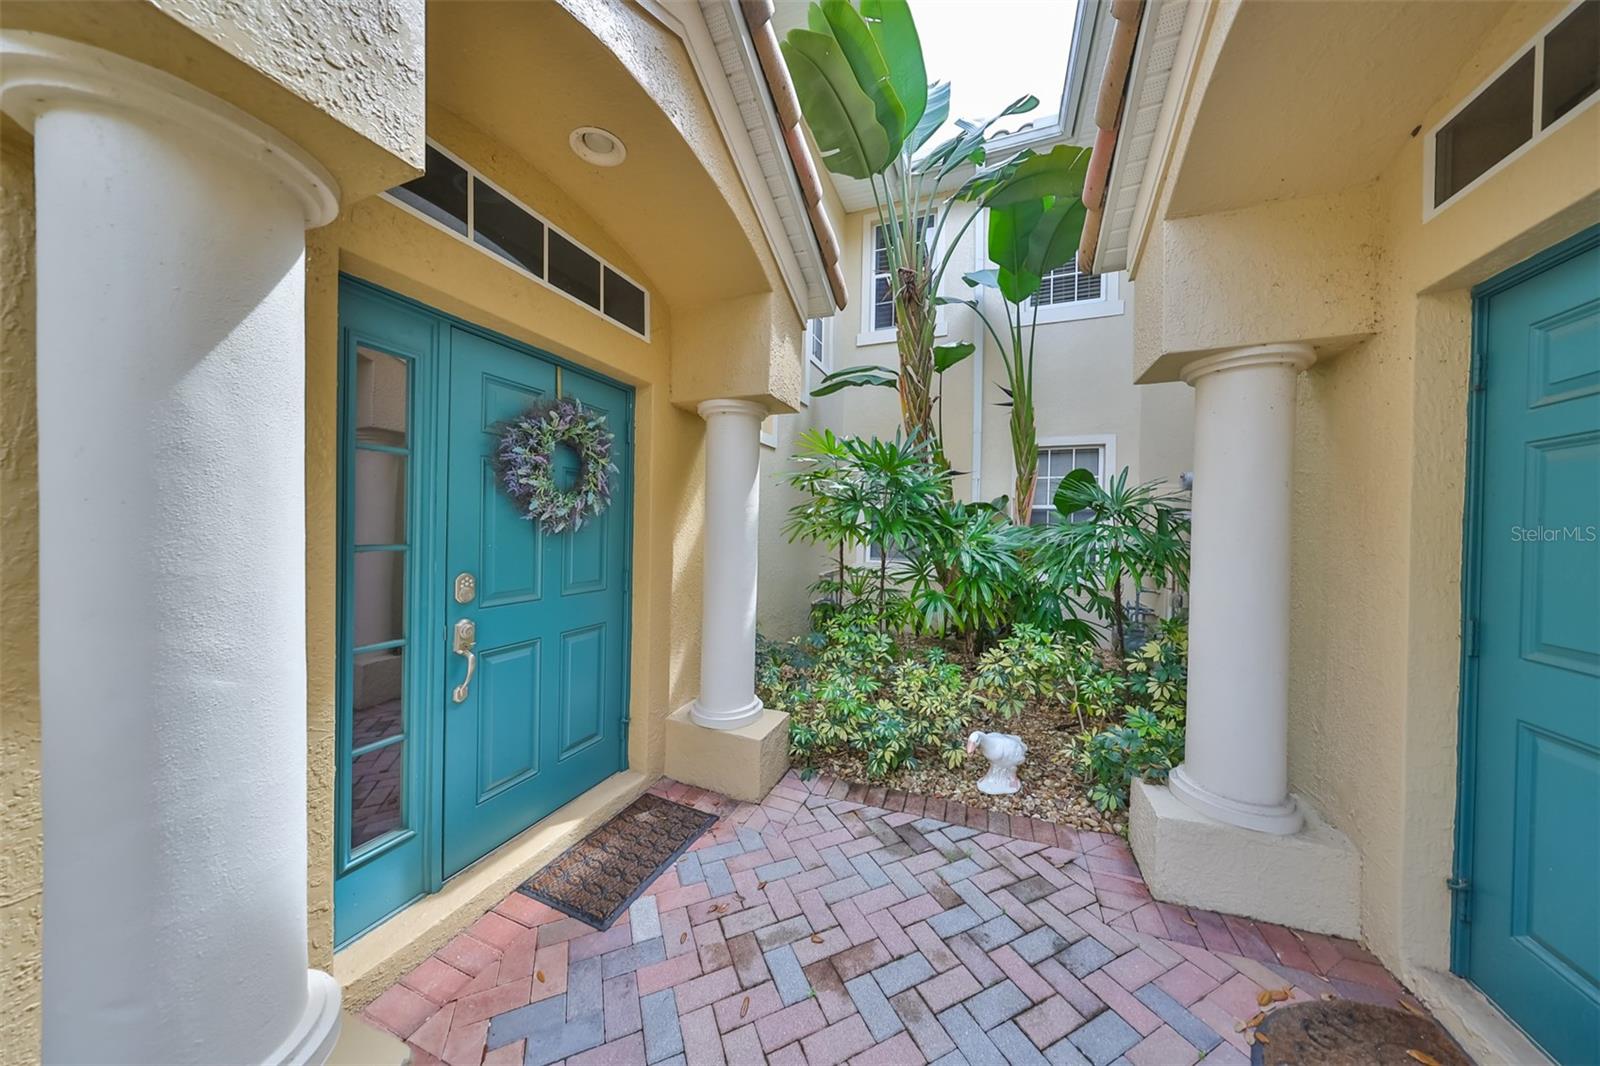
{"x":1235,"y":766}
{"x":171,"y":393}
{"x":727,"y":697}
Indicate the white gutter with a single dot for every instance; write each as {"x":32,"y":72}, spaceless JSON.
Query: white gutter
{"x":976,"y":476}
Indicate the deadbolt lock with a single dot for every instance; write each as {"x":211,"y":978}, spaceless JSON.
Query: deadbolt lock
{"x":466,"y":587}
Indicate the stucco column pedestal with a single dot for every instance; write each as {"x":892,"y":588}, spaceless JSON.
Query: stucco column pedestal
{"x":171,"y":399}
{"x":753,"y":741}
{"x":1225,"y":833}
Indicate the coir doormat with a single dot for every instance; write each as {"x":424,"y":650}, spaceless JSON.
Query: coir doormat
{"x":596,"y":878}
{"x":1343,"y":1032}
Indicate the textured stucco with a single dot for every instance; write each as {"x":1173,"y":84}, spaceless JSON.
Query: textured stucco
{"x":1380,"y":445}
{"x":1317,"y":286}
{"x":21,"y":870}
{"x":343,"y":79}
{"x":359,"y":61}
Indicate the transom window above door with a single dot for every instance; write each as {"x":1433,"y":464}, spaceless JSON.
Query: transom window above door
{"x":1054,"y":464}
{"x":457,"y":199}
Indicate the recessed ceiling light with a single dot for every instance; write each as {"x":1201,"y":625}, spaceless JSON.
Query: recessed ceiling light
{"x":597,"y":146}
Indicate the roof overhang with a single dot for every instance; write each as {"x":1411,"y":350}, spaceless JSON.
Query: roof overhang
{"x":746,"y":90}
{"x":1131,"y":111}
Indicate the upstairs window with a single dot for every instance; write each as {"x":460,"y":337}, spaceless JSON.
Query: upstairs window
{"x":881,"y":313}
{"x":1065,"y":285}
{"x":818,"y":361}
{"x":1557,"y":75}
{"x":1054,"y":464}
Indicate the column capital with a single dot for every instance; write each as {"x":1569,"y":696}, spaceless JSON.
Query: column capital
{"x":39,"y":72}
{"x":1296,"y":355}
{"x":748,"y":408}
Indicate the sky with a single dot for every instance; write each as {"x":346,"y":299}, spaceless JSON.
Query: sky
{"x":993,"y":51}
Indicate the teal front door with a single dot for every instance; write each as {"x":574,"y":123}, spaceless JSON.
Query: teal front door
{"x":1528,"y":918}
{"x":483,"y":664}
{"x":541,"y":719}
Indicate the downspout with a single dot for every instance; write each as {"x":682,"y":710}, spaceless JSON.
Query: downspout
{"x":976,"y":477}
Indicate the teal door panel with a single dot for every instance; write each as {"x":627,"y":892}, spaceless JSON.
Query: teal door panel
{"x":1530,"y":935}
{"x":427,"y":785}
{"x":385,"y":733}
{"x":542,"y":719}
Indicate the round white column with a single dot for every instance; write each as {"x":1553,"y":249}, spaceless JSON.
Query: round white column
{"x":1235,"y":766}
{"x":171,"y":395}
{"x":727,"y":697}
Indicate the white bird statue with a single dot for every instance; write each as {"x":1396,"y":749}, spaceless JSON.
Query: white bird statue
{"x":1005,"y":752}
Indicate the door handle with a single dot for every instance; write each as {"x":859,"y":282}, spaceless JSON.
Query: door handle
{"x":465,"y":640}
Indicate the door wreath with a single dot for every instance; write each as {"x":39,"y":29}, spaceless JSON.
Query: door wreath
{"x":526,"y":457}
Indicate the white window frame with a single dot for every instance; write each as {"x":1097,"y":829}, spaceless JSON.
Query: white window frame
{"x":769,"y":437}
{"x":1106,"y":305}
{"x":475,"y":175}
{"x":870,"y":334}
{"x":815,"y":369}
{"x":1430,"y":146}
{"x":1106,"y":442}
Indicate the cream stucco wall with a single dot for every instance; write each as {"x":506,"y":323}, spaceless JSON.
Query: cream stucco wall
{"x":1381,"y":435}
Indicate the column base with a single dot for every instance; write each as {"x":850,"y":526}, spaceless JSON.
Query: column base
{"x":743,"y":763}
{"x":737,"y":718}
{"x":318,"y":1030}
{"x":1309,"y":880}
{"x":1282,"y":819}
{"x":363,"y":1044}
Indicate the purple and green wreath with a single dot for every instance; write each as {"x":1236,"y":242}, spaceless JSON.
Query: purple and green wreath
{"x":526,"y":458}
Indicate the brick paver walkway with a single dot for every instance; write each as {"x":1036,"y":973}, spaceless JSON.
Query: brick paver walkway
{"x":834,"y":923}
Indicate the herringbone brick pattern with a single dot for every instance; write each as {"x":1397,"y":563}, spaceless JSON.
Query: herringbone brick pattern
{"x":837,"y":923}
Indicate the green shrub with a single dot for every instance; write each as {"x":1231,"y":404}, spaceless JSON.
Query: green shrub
{"x":1149,"y":742}
{"x":863,"y":694}
{"x":1147,"y":745}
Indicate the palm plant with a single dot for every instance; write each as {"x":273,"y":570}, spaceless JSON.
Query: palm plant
{"x":885,"y":493}
{"x":862,"y":85}
{"x":1134,"y":533}
{"x":1036,"y":216}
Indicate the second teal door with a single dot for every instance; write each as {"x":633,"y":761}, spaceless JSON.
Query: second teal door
{"x":1527,"y":931}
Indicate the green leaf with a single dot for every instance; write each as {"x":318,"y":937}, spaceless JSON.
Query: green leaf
{"x":967,"y":145}
{"x":841,"y":115}
{"x":933,"y":116}
{"x":1010,"y":231}
{"x":989,"y":279}
{"x":895,"y":32}
{"x":1076,"y":491}
{"x":1059,"y":173}
{"x":871,"y":68}
{"x":946,"y":356}
{"x":856,"y":377}
{"x":1055,"y":238}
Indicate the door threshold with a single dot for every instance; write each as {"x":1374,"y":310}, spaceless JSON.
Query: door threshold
{"x":1472,"y":1018}
{"x":385,"y":953}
